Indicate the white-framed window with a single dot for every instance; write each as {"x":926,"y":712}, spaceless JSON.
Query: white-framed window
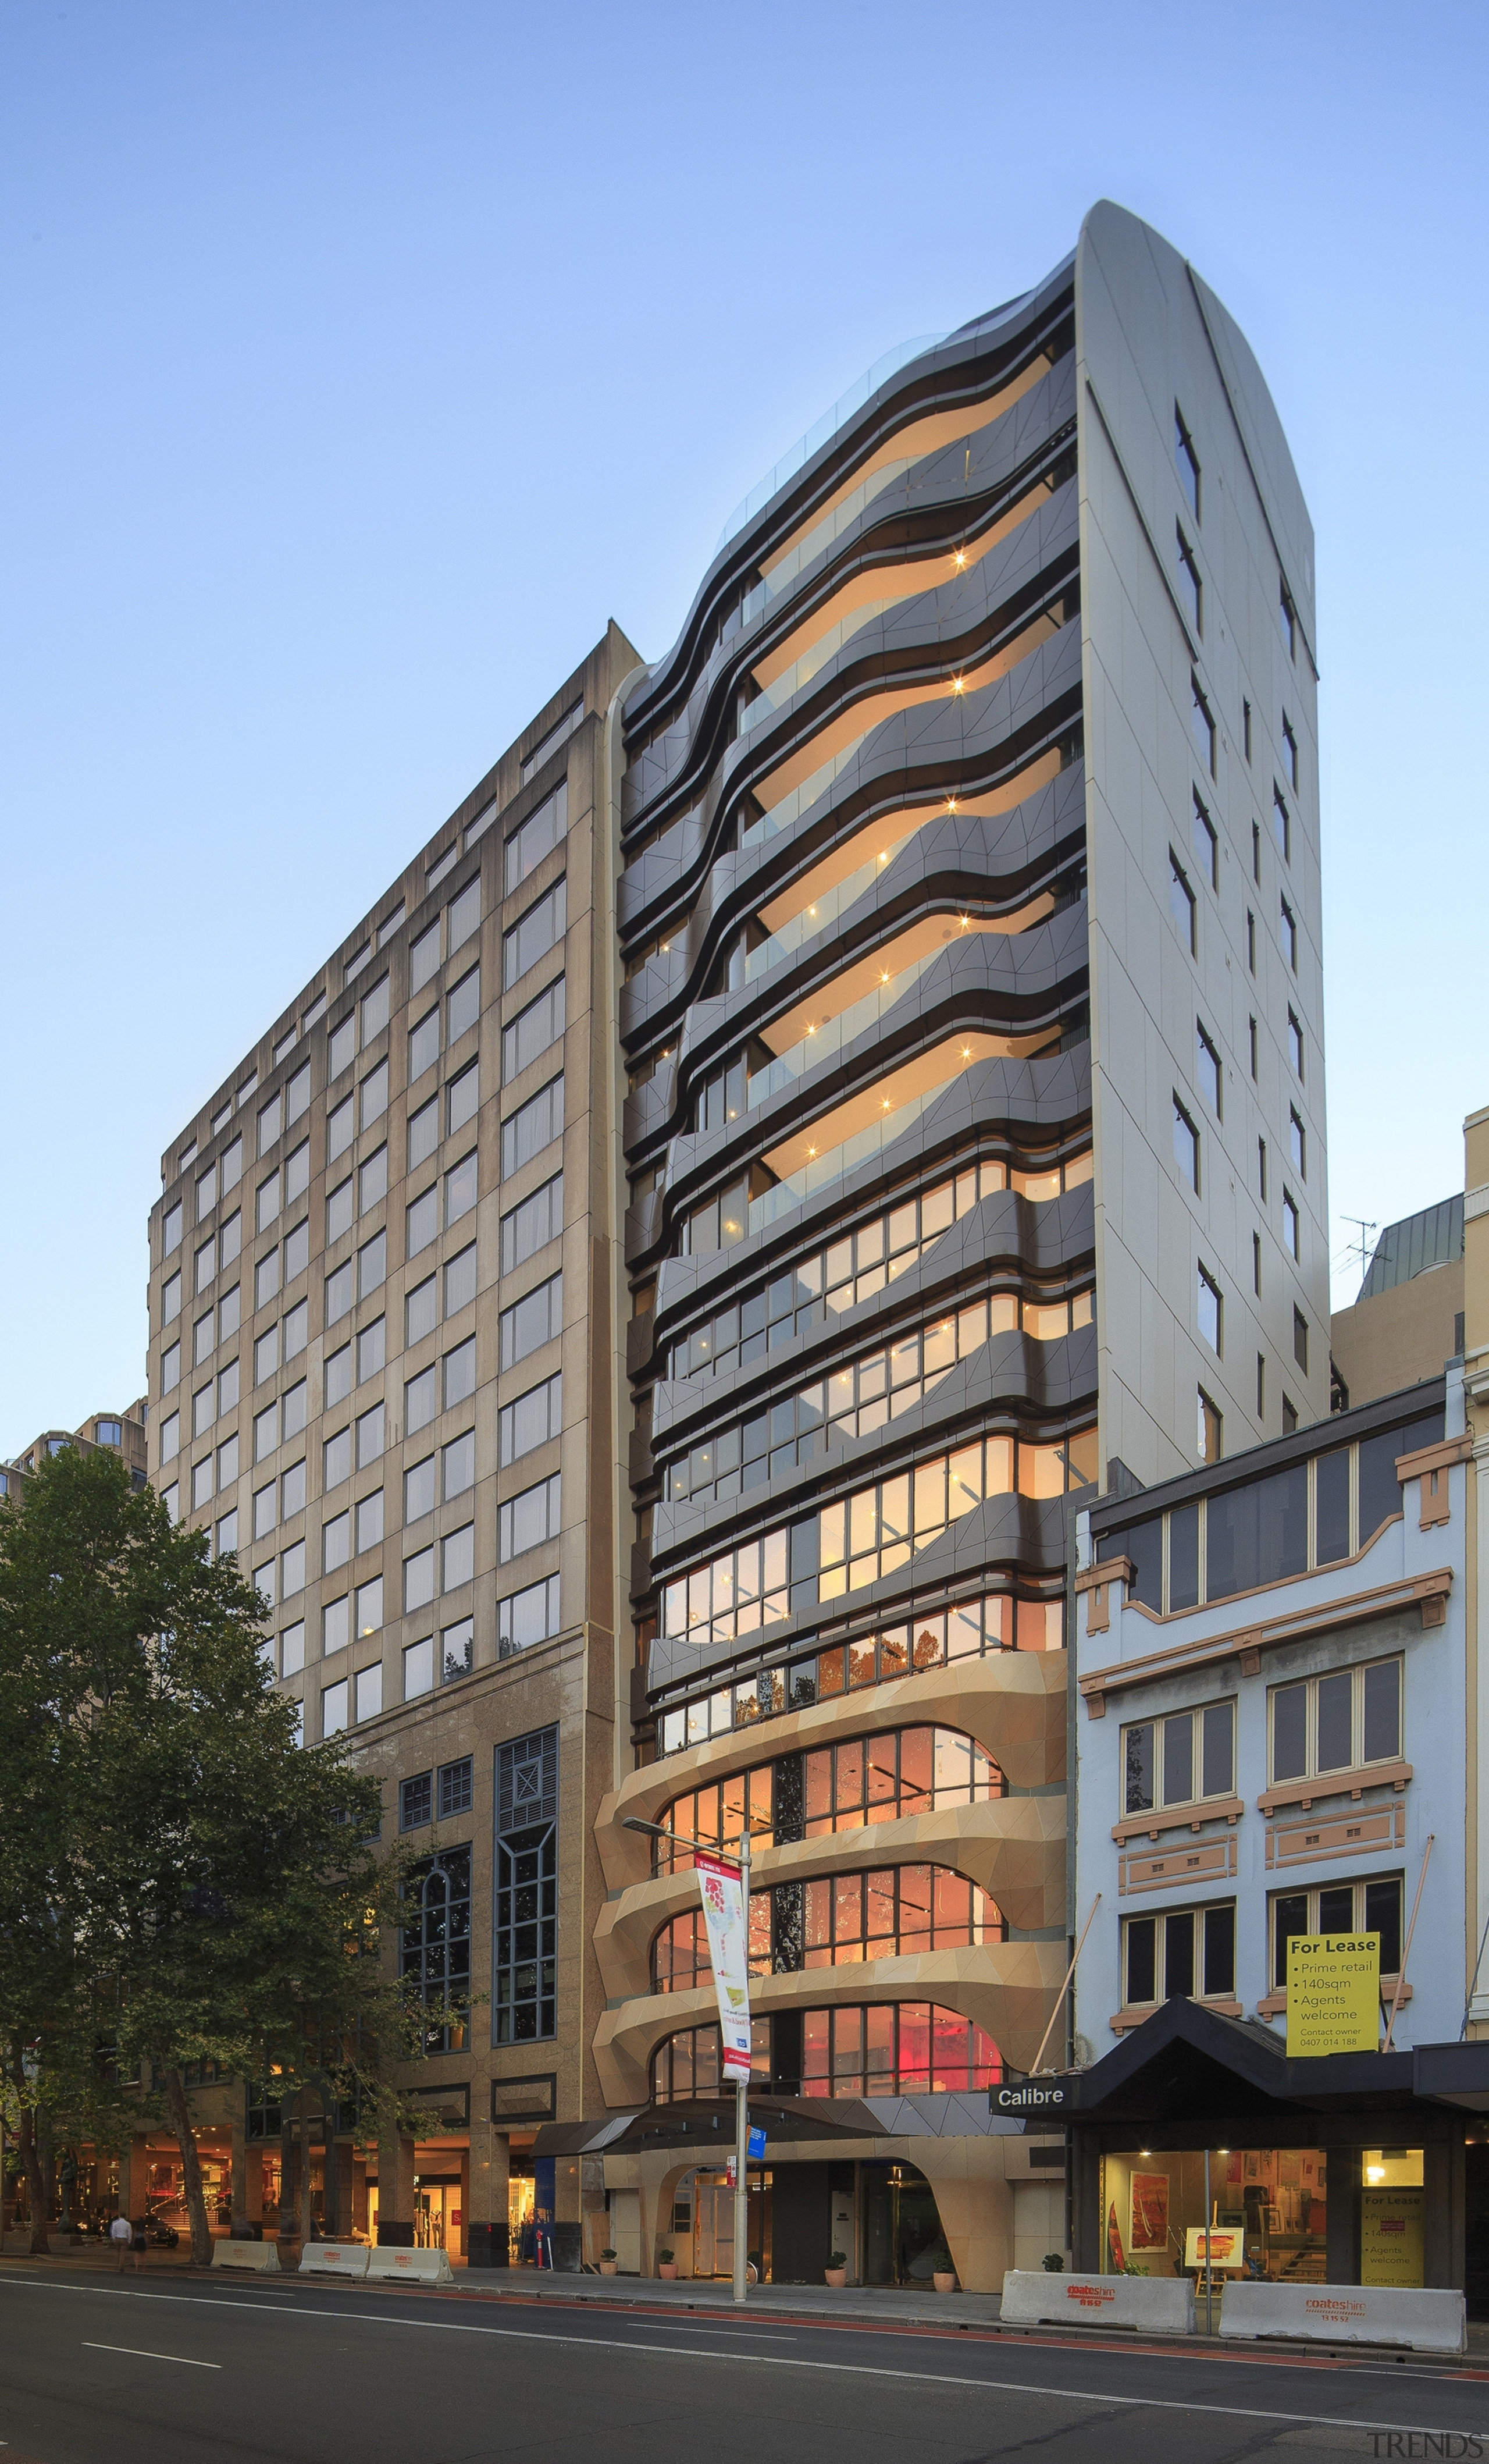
{"x":1178,"y":1760}
{"x":1341,"y":1721}
{"x":1182,"y":1953}
{"x":1371,"y":1905}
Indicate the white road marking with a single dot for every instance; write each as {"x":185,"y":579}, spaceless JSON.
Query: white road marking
{"x":141,"y":2354}
{"x":769,"y":2361}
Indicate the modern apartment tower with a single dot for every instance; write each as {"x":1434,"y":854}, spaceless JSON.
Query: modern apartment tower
{"x":969,"y":916}
{"x":826,"y":1103}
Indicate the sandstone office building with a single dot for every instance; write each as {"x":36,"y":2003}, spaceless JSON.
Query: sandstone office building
{"x":644,"y":1313}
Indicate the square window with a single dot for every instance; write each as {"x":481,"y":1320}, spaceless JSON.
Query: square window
{"x":455,"y":1788}
{"x":333,"y":1708}
{"x":423,"y":1132}
{"x":460,"y":1373}
{"x":422,"y":1224}
{"x":340,"y":1130}
{"x":370,"y":1437}
{"x":458,"y":1557}
{"x":416,"y":1797}
{"x":372,"y":1181}
{"x":423,"y":1045}
{"x":459,"y":1464}
{"x":418,"y":1580}
{"x":460,"y":1281}
{"x":1186,"y":1145}
{"x":421,"y":1311}
{"x":336,"y":1461}
{"x":1181,"y":904}
{"x":266,"y":1280}
{"x":419,"y":1489}
{"x":1210,"y":1311}
{"x":463,"y":1005}
{"x":369,"y":1606}
{"x":371,"y":1264}
{"x":419,"y":1401}
{"x":371,"y":1349}
{"x":291,"y":1650}
{"x":335,"y":1543}
{"x":418,"y":1668}
{"x":458,"y":1650}
{"x":340,"y":1050}
{"x":338,"y":1376}
{"x":370,"y":1521}
{"x":369,"y":1691}
{"x":338,"y":1211}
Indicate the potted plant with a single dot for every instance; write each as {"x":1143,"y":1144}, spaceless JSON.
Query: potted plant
{"x":837,"y":2269}
{"x":1053,"y":2262}
{"x":608,"y":2262}
{"x":666,"y":2266}
{"x":943,"y":2275}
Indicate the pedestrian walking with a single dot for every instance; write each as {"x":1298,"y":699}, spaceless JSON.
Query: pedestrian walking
{"x":139,"y":2241}
{"x":122,"y":2234}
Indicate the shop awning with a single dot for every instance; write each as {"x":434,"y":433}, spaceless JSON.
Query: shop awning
{"x":1189,"y":2064}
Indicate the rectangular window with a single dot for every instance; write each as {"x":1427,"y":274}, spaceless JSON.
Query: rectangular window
{"x":375,"y":1010}
{"x":423,"y":1133}
{"x":1202,"y":726}
{"x":458,"y":1459}
{"x":1295,"y":1043}
{"x":268,"y":1121}
{"x":460,"y":1189}
{"x":1282,"y":825}
{"x":416,"y":1802}
{"x":424,"y":958}
{"x":458,"y":1650}
{"x":527,"y":1617}
{"x":1287,"y":933}
{"x":338,"y":1211}
{"x":370,"y":1436}
{"x":1186,"y":1145}
{"x":372,"y":1181}
{"x":340,"y":1047}
{"x":170,"y":1366}
{"x":531,"y":1421}
{"x":266,"y":1355}
{"x":1251,"y":1035}
{"x":460,"y":1279}
{"x":204,"y":1339}
{"x":294,"y":1409}
{"x":264,"y":1514}
{"x":171,"y":1436}
{"x":227,"y":1389}
{"x":530,"y":1226}
{"x":372,"y":1095}
{"x":371,"y":1349}
{"x":371,"y":1264}
{"x":170,"y":1299}
{"x":1262,"y":1169}
{"x":1191,"y":597}
{"x":205,"y":1265}
{"x":424,"y":1044}
{"x":1297,"y":1142}
{"x":291,"y":1650}
{"x":1289,"y":752}
{"x":340,"y":1130}
{"x":202,"y":1412}
{"x":535,"y":934}
{"x":1186,"y":461}
{"x":296,"y":1328}
{"x":1336,"y":1907}
{"x":1180,"y":1760}
{"x":1210,"y":1306}
{"x":171,"y":1231}
{"x":369,"y":1691}
{"x":420,"y":1311}
{"x":369,"y":1523}
{"x":547,"y":745}
{"x":1207,"y":846}
{"x":292,"y":1490}
{"x":525,"y":1951}
{"x":1289,"y":1417}
{"x":1207,"y":1069}
{"x":533,"y":1030}
{"x":1261,"y":1386}
{"x":338,"y":1376}
{"x":339,"y":1293}
{"x":333,"y":1708}
{"x":458,"y":1557}
{"x":228,"y":1309}
{"x":1251,"y":941}
{"x":1255,"y":1264}
{"x":531,"y":1321}
{"x":1210,"y":1430}
{"x":335,"y":1542}
{"x":1185,"y":1953}
{"x":464,"y":914}
{"x":419,"y":1489}
{"x":201,"y":1483}
{"x":463,"y":1098}
{"x":292,"y":1569}
{"x":297,"y":1096}
{"x":460,"y":1373}
{"x":418,"y":1580}
{"x":420,"y":1400}
{"x":418,"y":1668}
{"x":1246,"y":728}
{"x":462,"y":1006}
{"x":230,"y":1165}
{"x":1287,"y":620}
{"x":527,"y":1520}
{"x":205,"y":1193}
{"x":1340,"y":1722}
{"x":1301,"y":1340}
{"x":1181,"y":904}
{"x":1292,"y":1233}
{"x":266,"y":1280}
{"x":534,"y":838}
{"x":532,"y":1127}
{"x":422,"y":1221}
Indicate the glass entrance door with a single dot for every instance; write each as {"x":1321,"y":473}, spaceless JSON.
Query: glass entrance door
{"x":902,"y":2229}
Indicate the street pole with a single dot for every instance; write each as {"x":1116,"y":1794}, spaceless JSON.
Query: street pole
{"x":1209,"y":2314}
{"x":742,"y":2100}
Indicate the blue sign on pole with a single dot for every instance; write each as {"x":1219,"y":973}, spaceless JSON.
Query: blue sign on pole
{"x":757,"y":2144}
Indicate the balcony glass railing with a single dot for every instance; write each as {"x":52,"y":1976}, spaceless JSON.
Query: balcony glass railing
{"x":889,"y":365}
{"x":802,"y":671}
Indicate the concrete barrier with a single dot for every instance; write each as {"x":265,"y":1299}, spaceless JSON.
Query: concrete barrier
{"x":255,"y":2258}
{"x":1422,"y":2321}
{"x":334,"y":2258}
{"x":413,"y":2266}
{"x":1159,"y":2306}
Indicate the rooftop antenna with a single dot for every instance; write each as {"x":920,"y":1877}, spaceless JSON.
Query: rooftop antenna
{"x":1362,"y":1248}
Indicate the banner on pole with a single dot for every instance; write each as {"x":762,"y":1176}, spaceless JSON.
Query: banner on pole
{"x":724,"y":1916}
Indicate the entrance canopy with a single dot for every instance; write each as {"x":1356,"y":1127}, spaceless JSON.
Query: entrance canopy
{"x":1188,"y":2065}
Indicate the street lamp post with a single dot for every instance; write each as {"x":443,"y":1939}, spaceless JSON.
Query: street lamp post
{"x":658,"y":1831}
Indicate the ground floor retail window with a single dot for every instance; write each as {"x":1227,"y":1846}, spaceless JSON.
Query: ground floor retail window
{"x":1274,"y":2199}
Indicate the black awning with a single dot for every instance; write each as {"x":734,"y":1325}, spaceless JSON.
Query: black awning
{"x":707,"y":2124}
{"x":1188,"y":2064}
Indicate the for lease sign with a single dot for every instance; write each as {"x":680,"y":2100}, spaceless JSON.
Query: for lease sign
{"x":1333,"y":1993}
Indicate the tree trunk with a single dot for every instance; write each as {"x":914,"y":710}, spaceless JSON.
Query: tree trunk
{"x":305,"y":2200}
{"x":190,"y":2167}
{"x":36,"y":2184}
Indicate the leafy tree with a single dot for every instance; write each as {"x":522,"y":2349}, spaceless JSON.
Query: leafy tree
{"x":190,"y":1884}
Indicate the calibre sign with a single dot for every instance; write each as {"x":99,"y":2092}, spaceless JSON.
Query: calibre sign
{"x":1333,"y":1993}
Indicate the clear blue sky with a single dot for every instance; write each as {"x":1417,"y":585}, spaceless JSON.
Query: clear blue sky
{"x":362,"y":359}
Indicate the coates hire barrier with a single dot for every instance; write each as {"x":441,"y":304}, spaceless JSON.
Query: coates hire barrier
{"x":257,"y":2257}
{"x":1160,"y":2305}
{"x":334,"y":2258}
{"x":414,"y":2266}
{"x":1353,"y":2314}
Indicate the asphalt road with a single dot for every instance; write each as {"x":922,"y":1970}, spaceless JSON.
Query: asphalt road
{"x":118,"y":2373}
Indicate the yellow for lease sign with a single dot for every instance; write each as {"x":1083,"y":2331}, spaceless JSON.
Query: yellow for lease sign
{"x":1333,"y":1993}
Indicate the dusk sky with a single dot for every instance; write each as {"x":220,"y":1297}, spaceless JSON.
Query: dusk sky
{"x":362,"y":359}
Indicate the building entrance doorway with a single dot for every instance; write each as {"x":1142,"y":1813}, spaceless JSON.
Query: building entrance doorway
{"x":437,"y":2215}
{"x":902,"y":2226}
{"x":714,"y":2209}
